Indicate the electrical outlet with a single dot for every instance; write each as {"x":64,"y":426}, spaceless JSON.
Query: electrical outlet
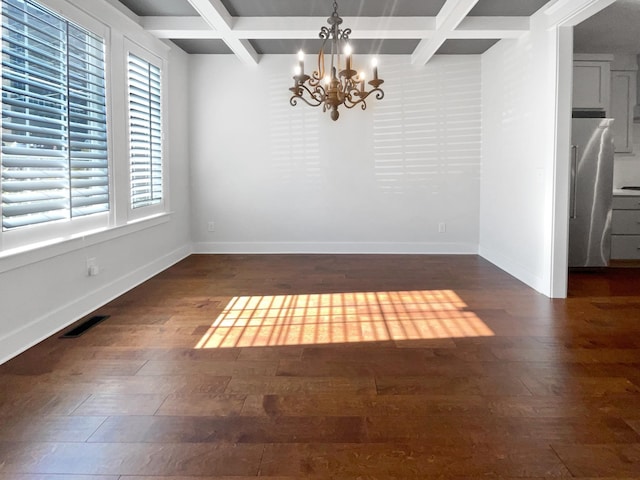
{"x":92,"y":267}
{"x":211,"y":226}
{"x":442,"y":227}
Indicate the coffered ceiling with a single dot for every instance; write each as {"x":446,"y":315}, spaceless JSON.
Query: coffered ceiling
{"x":250,"y":28}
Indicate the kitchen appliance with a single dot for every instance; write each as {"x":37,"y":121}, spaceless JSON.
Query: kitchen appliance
{"x":591,"y":192}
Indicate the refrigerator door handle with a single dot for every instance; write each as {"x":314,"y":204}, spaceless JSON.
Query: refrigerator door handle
{"x":574,"y":184}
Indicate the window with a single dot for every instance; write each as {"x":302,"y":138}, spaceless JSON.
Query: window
{"x":145,"y":132}
{"x":54,"y":127}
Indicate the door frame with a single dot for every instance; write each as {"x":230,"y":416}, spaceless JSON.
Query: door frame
{"x":563,"y":16}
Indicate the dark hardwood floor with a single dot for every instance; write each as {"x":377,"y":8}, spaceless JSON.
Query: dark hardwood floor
{"x":335,"y":367}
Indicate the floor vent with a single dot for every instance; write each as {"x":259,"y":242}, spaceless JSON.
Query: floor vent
{"x":84,"y":326}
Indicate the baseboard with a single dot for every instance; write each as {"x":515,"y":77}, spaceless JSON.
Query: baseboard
{"x":37,"y":330}
{"x":513,"y":268}
{"x":335,"y":247}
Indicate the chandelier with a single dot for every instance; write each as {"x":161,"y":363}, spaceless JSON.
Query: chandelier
{"x":334,"y":86}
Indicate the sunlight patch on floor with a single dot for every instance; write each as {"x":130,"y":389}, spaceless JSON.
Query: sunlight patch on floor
{"x":309,"y":319}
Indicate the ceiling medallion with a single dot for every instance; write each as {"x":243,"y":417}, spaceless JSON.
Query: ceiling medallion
{"x":334,"y":86}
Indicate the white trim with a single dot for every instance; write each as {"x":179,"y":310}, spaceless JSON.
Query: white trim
{"x":592,"y":57}
{"x":560,"y":15}
{"x":21,"y":237}
{"x":80,"y":17}
{"x":450,"y":16}
{"x":37,"y":252}
{"x":33,"y":243}
{"x":217,"y":16}
{"x":28,"y":335}
{"x":133,"y":48}
{"x":336,"y":247}
{"x":178,"y":27}
{"x":307,"y":27}
{"x":491,"y":27}
{"x":569,"y":13}
{"x":514,"y":269}
{"x":559,"y":229}
{"x":127,"y":24}
{"x":122,"y":10}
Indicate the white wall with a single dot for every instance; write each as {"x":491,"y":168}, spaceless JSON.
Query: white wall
{"x":44,"y":290}
{"x":277,"y":178}
{"x":518,"y":160}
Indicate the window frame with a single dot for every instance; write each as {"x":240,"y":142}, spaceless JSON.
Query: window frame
{"x":120,"y":33}
{"x":57,"y":230}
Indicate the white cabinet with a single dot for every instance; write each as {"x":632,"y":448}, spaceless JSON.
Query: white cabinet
{"x":623,"y":99}
{"x":591,"y":84}
{"x":625,"y":228}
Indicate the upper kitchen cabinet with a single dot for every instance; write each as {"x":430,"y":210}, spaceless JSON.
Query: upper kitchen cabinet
{"x":591,"y":81}
{"x":623,"y":98}
{"x":624,"y":72}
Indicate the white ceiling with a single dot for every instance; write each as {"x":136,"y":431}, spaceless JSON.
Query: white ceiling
{"x":616,"y":29}
{"x":249,"y":28}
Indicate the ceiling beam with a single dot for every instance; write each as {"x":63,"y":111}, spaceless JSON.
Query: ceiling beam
{"x":218,"y":18}
{"x":447,"y":20}
{"x":308,"y":27}
{"x":179,"y":27}
{"x":491,"y":27}
{"x":289,"y":27}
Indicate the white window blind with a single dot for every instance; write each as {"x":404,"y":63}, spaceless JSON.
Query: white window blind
{"x":145,"y":132}
{"x":54,"y":127}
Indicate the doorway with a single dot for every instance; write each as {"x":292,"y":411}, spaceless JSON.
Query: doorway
{"x":588,"y":29}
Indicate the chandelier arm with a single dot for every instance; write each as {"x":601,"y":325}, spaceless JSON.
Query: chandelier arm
{"x":314,"y":80}
{"x":351,"y":93}
{"x":294,"y":101}
{"x":349,"y":97}
{"x":318,"y":93}
{"x":350,"y":103}
{"x":316,"y":96}
{"x":379,"y":93}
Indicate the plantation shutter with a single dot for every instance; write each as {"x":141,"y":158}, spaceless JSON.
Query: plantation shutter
{"x":88,"y":124}
{"x":54,"y":141}
{"x":145,"y":132}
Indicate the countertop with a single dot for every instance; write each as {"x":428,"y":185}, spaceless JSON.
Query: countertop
{"x":618,"y":192}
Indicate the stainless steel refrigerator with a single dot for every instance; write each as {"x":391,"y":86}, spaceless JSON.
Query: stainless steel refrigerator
{"x":591,"y":192}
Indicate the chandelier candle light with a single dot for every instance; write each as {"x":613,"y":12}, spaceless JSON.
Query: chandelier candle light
{"x":335,"y":86}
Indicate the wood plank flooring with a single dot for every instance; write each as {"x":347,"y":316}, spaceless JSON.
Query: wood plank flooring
{"x":335,"y":367}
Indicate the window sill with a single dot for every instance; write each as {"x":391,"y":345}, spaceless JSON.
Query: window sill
{"x":37,"y":252}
